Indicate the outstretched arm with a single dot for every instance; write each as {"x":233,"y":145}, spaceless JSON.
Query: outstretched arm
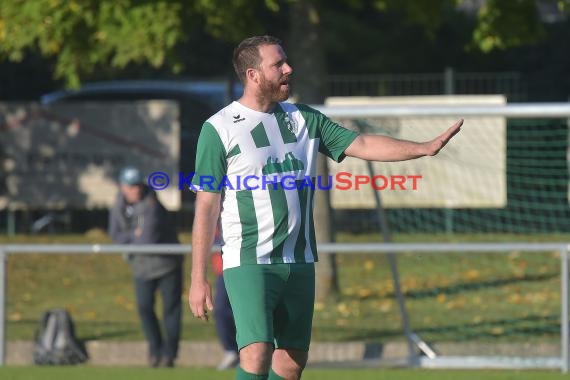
{"x":205,"y":220}
{"x":384,"y":148}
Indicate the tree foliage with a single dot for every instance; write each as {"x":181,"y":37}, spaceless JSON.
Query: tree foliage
{"x":504,"y":24}
{"x":83,"y":36}
{"x":497,"y":18}
{"x":234,"y":20}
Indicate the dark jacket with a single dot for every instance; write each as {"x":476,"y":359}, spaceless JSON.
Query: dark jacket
{"x":157,"y":228}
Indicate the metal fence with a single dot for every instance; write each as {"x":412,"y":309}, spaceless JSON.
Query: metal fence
{"x":413,"y":360}
{"x":448,"y":82}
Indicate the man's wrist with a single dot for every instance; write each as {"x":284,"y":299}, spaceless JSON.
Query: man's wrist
{"x":198,"y":276}
{"x":423,"y":149}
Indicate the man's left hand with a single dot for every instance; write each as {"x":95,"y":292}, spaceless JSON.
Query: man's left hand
{"x":434,"y":146}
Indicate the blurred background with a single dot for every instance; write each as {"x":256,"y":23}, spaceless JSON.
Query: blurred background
{"x":87,"y":87}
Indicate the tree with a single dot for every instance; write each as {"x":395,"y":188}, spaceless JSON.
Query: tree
{"x":309,"y":66}
{"x":85,"y":36}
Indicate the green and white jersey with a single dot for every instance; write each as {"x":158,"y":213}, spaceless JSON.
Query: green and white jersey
{"x":263,"y":163}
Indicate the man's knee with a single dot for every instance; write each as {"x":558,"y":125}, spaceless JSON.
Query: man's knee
{"x":256,"y":357}
{"x":289,"y":363}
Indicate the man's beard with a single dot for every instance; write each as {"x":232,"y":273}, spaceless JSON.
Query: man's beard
{"x":273,"y":91}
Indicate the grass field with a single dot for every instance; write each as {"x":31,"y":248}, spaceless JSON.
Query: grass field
{"x":88,"y":373}
{"x":455,"y":297}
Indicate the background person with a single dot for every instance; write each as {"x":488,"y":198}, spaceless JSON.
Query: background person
{"x":137,"y":217}
{"x":224,"y":318}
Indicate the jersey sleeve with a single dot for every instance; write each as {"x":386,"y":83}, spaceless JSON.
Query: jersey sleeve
{"x":334,"y":138}
{"x":211,"y":163}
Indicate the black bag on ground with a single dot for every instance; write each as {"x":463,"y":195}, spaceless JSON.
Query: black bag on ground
{"x":55,"y":341}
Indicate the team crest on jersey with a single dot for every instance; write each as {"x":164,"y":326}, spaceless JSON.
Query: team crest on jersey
{"x":291,"y":125}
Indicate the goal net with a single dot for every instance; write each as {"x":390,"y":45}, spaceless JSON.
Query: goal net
{"x":501,"y":179}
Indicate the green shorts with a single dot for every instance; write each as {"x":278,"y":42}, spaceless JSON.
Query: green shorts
{"x":272,"y":303}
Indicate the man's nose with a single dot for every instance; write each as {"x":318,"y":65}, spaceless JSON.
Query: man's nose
{"x":287,"y":69}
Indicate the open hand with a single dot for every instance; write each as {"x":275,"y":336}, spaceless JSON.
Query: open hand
{"x":435,"y":145}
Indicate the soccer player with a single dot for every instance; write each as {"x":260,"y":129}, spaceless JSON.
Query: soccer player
{"x":269,"y":247}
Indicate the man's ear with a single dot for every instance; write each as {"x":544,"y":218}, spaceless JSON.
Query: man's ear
{"x":252,"y":75}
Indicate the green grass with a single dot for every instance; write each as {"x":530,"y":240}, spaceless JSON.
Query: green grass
{"x":450,"y":297}
{"x":97,"y":290}
{"x":90,"y":373}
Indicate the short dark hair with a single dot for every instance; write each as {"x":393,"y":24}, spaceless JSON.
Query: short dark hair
{"x":246,"y":54}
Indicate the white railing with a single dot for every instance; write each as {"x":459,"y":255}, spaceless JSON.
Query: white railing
{"x":562,"y":362}
{"x":510,"y":111}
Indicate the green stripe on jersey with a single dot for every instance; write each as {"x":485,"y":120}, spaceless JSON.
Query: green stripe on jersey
{"x":280,"y":220}
{"x":249,"y":233}
{"x":211,"y":163}
{"x":234,"y":152}
{"x":285,"y":125}
{"x":301,"y":243}
{"x":311,"y":117}
{"x":260,"y":136}
{"x":312,"y":239}
{"x":334,"y":139}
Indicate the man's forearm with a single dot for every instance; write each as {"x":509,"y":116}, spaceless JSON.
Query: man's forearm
{"x":201,"y":246}
{"x":384,"y":148}
{"x":205,"y":220}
